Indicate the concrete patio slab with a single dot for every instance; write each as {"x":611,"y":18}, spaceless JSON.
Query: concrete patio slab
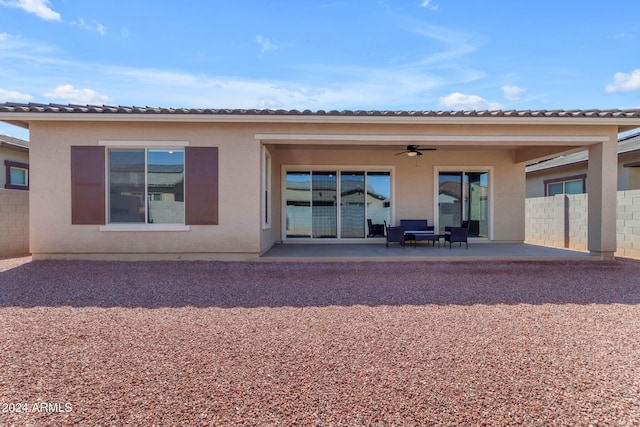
{"x":422,"y":252}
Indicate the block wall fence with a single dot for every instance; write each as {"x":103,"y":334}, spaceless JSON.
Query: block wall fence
{"x":561,"y":221}
{"x":14,"y":222}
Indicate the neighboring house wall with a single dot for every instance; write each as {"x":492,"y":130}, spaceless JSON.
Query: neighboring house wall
{"x":575,"y":166}
{"x":561,"y":221}
{"x":629,"y":171}
{"x":11,"y":155}
{"x":14,"y":222}
{"x":14,"y":200}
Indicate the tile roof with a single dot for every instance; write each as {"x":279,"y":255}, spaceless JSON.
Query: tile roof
{"x":10,"y":107}
{"x":13,"y":141}
{"x":626,"y":144}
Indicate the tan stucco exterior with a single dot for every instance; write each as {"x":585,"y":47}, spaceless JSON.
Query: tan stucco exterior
{"x":501,"y":147}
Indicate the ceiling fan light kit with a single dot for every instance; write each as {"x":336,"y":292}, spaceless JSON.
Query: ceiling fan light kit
{"x":414,"y":150}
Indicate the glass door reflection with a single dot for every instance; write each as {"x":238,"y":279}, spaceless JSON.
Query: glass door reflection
{"x":352,"y":204}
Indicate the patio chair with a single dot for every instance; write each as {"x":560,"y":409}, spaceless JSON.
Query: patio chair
{"x":395,"y":235}
{"x":376,"y":230}
{"x":457,"y":234}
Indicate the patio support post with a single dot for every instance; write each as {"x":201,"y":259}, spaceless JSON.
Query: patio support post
{"x":602,"y":186}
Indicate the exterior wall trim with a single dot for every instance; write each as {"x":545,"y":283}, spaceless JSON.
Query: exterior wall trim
{"x":508,"y":139}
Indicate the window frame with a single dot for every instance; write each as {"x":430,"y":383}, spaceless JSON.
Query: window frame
{"x":464,"y":170}
{"x":139,"y":145}
{"x":339,"y":169}
{"x":564,"y":180}
{"x":9,"y":165}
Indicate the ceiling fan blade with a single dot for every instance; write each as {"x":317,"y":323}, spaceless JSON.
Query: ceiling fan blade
{"x":418,"y":153}
{"x":427,"y":149}
{"x":400,"y":154}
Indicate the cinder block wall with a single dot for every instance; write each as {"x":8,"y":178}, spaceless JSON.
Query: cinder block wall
{"x":544,"y":221}
{"x":14,"y":222}
{"x":561,"y":221}
{"x":628,"y":225}
{"x":576,"y":221}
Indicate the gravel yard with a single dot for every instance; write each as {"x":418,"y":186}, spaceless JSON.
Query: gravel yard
{"x":327,"y":344}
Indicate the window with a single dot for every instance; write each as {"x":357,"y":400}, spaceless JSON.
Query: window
{"x":567,"y":185}
{"x":266,"y":189}
{"x":17,"y":175}
{"x":146,"y":186}
{"x":129,"y":187}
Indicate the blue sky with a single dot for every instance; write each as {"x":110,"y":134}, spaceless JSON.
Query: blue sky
{"x":322,"y":55}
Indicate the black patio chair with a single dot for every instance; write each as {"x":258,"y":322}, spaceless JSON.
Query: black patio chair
{"x":395,"y":235}
{"x":376,"y":230}
{"x":457,"y":234}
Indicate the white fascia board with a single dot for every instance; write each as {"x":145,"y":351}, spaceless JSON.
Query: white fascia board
{"x":627,"y":123}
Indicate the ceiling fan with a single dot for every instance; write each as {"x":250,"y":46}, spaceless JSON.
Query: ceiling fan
{"x":414,"y":150}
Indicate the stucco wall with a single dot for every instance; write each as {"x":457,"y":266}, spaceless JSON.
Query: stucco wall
{"x":240,"y":233}
{"x":561,"y":221}
{"x":236,"y":236}
{"x":14,"y":222}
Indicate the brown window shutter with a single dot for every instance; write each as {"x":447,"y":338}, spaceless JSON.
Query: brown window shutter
{"x":201,"y":185}
{"x":87,"y":185}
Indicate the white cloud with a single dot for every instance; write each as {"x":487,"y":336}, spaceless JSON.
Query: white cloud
{"x":623,"y":82}
{"x":265,"y":44}
{"x":512,"y":93}
{"x":94,"y":26}
{"x":76,"y":96}
{"x":429,"y":5}
{"x":460,"y":101}
{"x":39,"y":8}
{"x":14,"y":96}
{"x":625,"y":36}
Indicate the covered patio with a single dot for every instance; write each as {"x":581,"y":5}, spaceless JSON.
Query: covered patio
{"x":422,"y":252}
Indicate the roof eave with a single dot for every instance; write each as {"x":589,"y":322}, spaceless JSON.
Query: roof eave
{"x":24,"y":118}
{"x":16,"y":147}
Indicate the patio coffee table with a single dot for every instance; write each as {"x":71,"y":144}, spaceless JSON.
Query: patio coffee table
{"x":418,"y":236}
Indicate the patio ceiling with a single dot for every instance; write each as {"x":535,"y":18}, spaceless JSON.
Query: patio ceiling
{"x":526,"y":148}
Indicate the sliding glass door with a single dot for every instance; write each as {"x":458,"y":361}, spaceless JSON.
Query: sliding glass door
{"x":313,"y":198}
{"x":449,"y":200}
{"x":352,"y":204}
{"x":298,"y":194}
{"x":324,"y":205}
{"x":464,"y":196}
{"x":476,"y":203}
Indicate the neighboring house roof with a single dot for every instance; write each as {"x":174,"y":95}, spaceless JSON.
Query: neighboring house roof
{"x":13,"y":143}
{"x":626,"y":145}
